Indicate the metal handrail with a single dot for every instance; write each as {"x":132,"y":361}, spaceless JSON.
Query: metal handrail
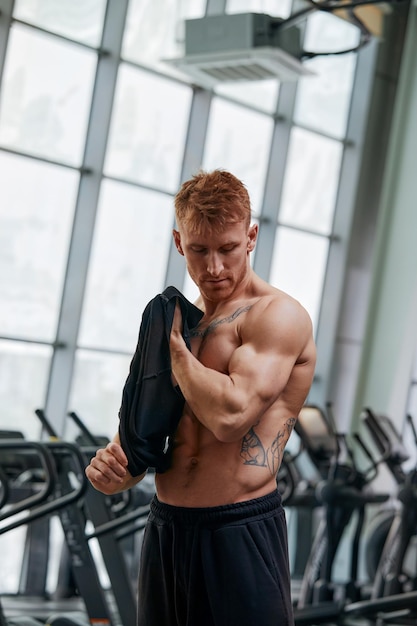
{"x":54,"y":451}
{"x":48,"y":467}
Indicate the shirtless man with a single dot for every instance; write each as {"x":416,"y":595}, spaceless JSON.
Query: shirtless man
{"x":215,"y":548}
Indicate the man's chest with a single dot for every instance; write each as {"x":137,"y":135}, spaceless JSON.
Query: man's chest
{"x":215,"y":348}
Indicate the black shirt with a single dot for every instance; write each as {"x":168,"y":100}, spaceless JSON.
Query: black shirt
{"x":151,"y":406}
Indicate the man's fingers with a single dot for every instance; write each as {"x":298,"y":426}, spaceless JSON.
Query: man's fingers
{"x":177,"y":320}
{"x":94,"y":475}
{"x":117,"y":452}
{"x":108,"y":465}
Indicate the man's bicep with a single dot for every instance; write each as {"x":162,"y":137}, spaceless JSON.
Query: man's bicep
{"x":261,"y":372}
{"x":271,"y":346}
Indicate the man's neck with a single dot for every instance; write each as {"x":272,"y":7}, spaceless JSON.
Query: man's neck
{"x":241,"y":293}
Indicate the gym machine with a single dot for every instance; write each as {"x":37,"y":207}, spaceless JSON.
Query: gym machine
{"x":393,"y":598}
{"x":343,"y":494}
{"x":397,"y":530}
{"x":61,"y":493}
{"x":114,"y":519}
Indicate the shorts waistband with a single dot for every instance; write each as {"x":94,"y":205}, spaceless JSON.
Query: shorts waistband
{"x":224,"y":513}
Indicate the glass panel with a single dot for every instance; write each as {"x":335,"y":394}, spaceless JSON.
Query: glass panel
{"x":35,"y":228}
{"x":261,"y":94}
{"x":239,"y":140}
{"x":327,"y":33}
{"x":155,"y":30}
{"x":190,"y":289}
{"x":311,"y":181}
{"x":298,"y":267}
{"x":24,"y":370}
{"x":323,"y":100}
{"x":270,"y":7}
{"x":128,"y":263}
{"x":97,"y":391}
{"x":148,"y":129}
{"x":45,"y":97}
{"x":81,"y":20}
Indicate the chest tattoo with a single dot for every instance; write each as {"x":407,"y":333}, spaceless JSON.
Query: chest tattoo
{"x":203,"y":332}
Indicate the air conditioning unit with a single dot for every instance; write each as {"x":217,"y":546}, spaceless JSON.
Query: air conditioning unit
{"x":240,"y":47}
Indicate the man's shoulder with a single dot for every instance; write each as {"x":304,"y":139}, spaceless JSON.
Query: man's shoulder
{"x":279,"y":316}
{"x":275,"y":301}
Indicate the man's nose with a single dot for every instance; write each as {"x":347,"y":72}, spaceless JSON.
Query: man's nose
{"x":214,"y":265}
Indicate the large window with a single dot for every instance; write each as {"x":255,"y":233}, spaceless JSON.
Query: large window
{"x":147,"y":136}
{"x":239,"y":140}
{"x":97,"y":132}
{"x":45,"y":96}
{"x":298,"y":267}
{"x":74,"y":285}
{"x":323,"y":101}
{"x":132,"y":224}
{"x":80,"y":21}
{"x":36,"y":215}
{"x":24,"y":370}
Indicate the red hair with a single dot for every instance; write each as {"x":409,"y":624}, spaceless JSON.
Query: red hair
{"x":211,"y":200}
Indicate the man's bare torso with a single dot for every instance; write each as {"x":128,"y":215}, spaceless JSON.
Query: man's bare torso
{"x":209,"y":472}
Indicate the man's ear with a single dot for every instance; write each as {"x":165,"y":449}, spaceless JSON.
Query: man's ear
{"x":177,"y":241}
{"x":252,"y":236}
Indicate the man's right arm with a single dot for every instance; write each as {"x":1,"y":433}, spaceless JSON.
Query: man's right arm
{"x":107,"y":470}
{"x":229,"y":403}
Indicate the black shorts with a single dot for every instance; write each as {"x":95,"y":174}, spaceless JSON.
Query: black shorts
{"x":216,"y":566}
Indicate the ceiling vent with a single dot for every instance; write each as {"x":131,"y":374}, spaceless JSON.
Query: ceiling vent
{"x":240,"y":47}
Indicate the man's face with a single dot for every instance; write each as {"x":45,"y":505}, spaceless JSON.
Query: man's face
{"x":217,"y":262}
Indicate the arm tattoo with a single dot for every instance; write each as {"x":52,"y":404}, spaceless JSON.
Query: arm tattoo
{"x":197,"y":332}
{"x":252,"y":450}
{"x":276,"y":451}
{"x":254,"y":453}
